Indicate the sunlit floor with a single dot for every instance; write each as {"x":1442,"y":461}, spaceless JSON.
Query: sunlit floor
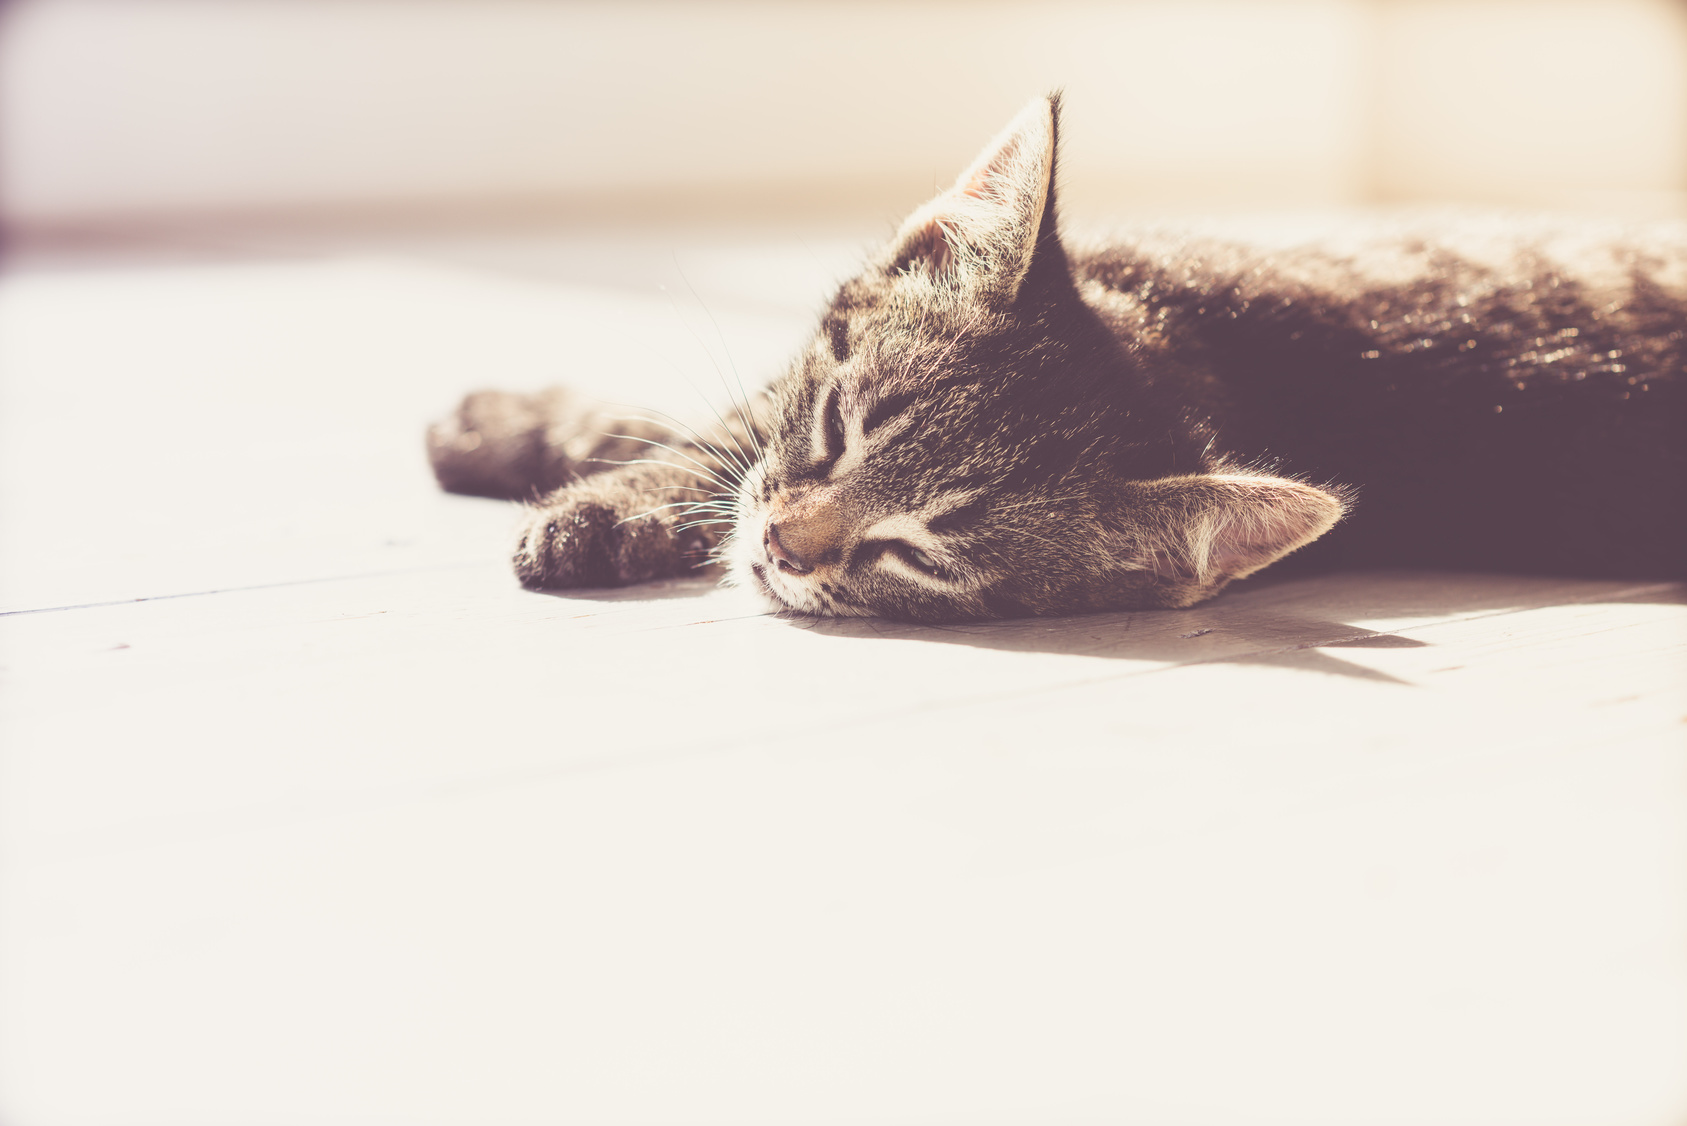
{"x":310,"y":815}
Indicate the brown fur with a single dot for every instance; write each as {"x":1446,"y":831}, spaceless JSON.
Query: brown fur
{"x":986,"y":426}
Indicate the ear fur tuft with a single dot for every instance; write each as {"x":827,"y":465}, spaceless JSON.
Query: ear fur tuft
{"x":982,"y":232}
{"x":1208,"y":529}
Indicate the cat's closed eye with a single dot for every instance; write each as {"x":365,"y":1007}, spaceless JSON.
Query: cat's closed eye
{"x":907,"y":553}
{"x":919,"y":559}
{"x":829,"y":444}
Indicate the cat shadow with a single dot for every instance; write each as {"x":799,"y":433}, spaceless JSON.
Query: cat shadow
{"x":1286,"y":623}
{"x":657,"y":590}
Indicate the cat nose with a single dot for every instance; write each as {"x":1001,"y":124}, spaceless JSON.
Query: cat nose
{"x":780,"y":555}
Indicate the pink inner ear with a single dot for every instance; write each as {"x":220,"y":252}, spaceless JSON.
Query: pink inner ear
{"x":1222,"y":527}
{"x":985,"y":182}
{"x":1163,"y":564}
{"x":1237,"y":544}
{"x":1240,"y":545}
{"x":930,"y":248}
{"x":982,"y":233}
{"x":1271,"y":519}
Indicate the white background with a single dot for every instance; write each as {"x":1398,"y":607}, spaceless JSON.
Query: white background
{"x":144,"y":109}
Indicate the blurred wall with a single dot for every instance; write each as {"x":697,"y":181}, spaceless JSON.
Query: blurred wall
{"x":125,"y":111}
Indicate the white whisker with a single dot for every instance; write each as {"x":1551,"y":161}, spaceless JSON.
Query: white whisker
{"x":702,"y":470}
{"x":739,"y":461}
{"x":751,"y":430}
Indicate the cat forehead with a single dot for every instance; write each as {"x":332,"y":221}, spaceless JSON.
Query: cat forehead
{"x":953,"y":362}
{"x":890,"y":304}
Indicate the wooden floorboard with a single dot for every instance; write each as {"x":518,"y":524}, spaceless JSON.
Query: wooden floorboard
{"x":309,"y":814}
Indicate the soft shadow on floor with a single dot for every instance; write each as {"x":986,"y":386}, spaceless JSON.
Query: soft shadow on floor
{"x":657,"y":590}
{"x":1288,"y":622}
{"x":1284,"y":623}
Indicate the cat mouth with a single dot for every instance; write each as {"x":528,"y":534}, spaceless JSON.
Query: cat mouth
{"x":785,"y":603}
{"x":766,"y":588}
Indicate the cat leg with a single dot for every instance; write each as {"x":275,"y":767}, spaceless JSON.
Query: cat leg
{"x":623,"y":526}
{"x":515,"y":446}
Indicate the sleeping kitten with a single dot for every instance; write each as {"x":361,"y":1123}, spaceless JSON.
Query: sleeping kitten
{"x":989,"y":423}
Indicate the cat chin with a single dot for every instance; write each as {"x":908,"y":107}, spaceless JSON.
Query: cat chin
{"x":745,"y":575}
{"x":750,"y":576}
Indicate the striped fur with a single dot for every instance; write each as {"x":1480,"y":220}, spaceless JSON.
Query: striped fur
{"x":988,"y":423}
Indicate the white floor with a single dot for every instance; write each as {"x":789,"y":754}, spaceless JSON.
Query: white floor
{"x":310,"y":815}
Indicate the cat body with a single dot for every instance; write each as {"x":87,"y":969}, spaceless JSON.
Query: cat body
{"x":1501,"y":396}
{"x":988,"y":423}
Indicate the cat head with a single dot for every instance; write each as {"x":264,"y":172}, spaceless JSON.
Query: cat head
{"x":965,"y":438}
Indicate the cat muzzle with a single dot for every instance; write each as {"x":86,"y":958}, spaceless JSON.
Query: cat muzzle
{"x":782,"y":555}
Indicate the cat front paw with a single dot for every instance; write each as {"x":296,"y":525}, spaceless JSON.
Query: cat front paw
{"x":497,"y":444}
{"x":588,"y":542}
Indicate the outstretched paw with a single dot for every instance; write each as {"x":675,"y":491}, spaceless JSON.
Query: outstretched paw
{"x":585,"y":541}
{"x":499,"y":444}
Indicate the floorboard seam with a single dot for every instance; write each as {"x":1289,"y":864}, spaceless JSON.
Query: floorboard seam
{"x":241,"y":589}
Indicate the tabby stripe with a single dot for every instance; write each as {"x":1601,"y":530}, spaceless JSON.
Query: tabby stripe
{"x":884,"y":410}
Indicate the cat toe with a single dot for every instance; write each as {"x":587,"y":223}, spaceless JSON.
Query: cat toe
{"x":561,"y":549}
{"x":588,"y":543}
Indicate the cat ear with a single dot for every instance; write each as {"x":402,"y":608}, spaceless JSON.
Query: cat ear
{"x":1204,"y":530}
{"x":982,"y":232}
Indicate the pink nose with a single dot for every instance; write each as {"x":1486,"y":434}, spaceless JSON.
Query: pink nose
{"x":781,"y":556}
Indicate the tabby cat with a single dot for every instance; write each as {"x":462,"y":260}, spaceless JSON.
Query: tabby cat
{"x":991,"y":423}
